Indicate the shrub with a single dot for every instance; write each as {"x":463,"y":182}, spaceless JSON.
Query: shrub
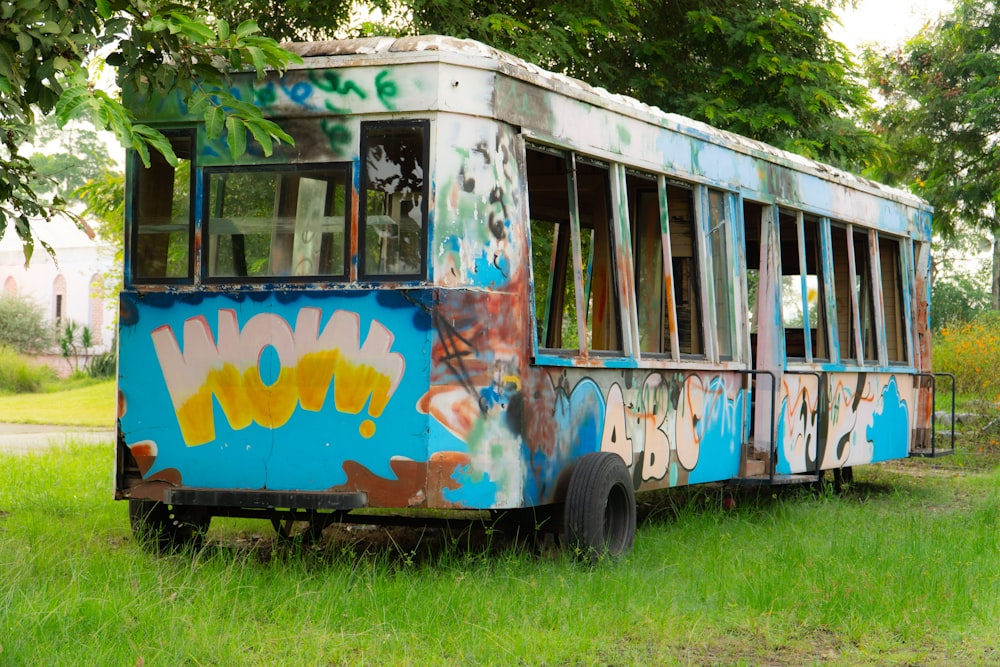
{"x":23,"y":325}
{"x":103,"y":365}
{"x":971,"y":352}
{"x":18,"y":375}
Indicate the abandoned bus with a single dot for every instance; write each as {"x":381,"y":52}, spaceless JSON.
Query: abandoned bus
{"x":472,"y":284}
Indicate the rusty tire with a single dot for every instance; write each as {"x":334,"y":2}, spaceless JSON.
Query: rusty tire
{"x":599,"y":519}
{"x":165,"y":527}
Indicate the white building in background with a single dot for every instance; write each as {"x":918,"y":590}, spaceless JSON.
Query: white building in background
{"x":72,"y":287}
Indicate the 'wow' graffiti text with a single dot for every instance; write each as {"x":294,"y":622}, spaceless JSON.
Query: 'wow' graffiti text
{"x":236,"y":369}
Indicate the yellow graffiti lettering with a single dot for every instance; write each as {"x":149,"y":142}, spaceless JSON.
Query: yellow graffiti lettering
{"x":309,"y":362}
{"x":355,"y":383}
{"x":271,"y":405}
{"x":313,"y":377}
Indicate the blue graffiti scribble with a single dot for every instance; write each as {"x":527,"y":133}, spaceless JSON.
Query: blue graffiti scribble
{"x":476,"y":488}
{"x":298,"y":92}
{"x":719,"y":431}
{"x":492,"y":271}
{"x":782,"y":465}
{"x":890,"y":428}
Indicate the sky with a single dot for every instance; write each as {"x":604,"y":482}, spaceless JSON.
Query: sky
{"x":888,"y":23}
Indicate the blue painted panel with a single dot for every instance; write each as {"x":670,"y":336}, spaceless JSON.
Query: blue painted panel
{"x":273,"y":390}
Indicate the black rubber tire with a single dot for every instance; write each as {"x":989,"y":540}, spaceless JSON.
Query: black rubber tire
{"x":599,"y":519}
{"x":167,"y":528}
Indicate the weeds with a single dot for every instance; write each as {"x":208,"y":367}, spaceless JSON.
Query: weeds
{"x":18,"y":375}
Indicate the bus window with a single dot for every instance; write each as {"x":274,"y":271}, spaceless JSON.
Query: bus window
{"x":866,"y":303}
{"x":552,"y":250}
{"x":842,"y":293}
{"x":890,"y":260}
{"x":752,"y":214}
{"x":265,"y":223}
{"x":394,"y":199}
{"x":815,"y":289}
{"x":684,"y":258}
{"x":802,"y":287}
{"x":650,"y":247}
{"x":162,"y":237}
{"x":600,"y":291}
{"x":552,"y":203}
{"x":722,"y":271}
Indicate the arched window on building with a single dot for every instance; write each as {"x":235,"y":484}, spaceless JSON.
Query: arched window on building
{"x":59,"y":300}
{"x":96,"y":308}
{"x":10,"y":286}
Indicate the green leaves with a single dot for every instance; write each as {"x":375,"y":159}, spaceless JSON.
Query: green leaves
{"x":941,"y":115}
{"x":159,"y":46}
{"x":769,"y":70}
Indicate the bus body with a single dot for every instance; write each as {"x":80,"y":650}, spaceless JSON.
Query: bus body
{"x":469,"y":275}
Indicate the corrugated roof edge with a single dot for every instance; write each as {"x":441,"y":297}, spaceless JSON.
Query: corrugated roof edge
{"x":512,"y":65}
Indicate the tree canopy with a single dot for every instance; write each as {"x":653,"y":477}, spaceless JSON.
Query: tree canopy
{"x":941,"y":115}
{"x":766,"y":69}
{"x":46,"y":47}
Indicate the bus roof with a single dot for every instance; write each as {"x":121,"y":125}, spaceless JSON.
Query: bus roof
{"x":470,"y":53}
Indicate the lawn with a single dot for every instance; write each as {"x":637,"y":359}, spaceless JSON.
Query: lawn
{"x":903,"y":568}
{"x":91,"y":405}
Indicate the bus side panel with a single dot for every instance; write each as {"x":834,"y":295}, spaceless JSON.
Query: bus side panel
{"x":475,"y":402}
{"x":480,"y":236}
{"x":305,"y":391}
{"x":670,"y":428}
{"x":864,"y":418}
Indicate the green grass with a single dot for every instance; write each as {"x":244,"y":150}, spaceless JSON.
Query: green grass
{"x":901,"y":569}
{"x":87,"y":403}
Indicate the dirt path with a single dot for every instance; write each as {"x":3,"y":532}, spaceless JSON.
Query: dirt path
{"x":24,"y":438}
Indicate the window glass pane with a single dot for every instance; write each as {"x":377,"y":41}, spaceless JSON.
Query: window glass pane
{"x":163,"y":215}
{"x":394,"y":200}
{"x":722,"y":272}
{"x":277,"y":223}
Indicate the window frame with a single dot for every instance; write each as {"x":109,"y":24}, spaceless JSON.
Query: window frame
{"x":135,"y":172}
{"x":276,"y":169}
{"x":423,"y":125}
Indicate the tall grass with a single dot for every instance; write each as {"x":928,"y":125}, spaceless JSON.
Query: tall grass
{"x":18,"y":375}
{"x":902,"y":569}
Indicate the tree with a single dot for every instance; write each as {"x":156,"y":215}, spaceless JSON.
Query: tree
{"x":768,"y":70}
{"x":67,"y":158}
{"x":156,"y":46}
{"x":941,"y":116}
{"x":286,"y":19}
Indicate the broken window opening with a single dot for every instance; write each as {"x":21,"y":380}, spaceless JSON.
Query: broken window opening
{"x":163,"y":223}
{"x":394,"y":199}
{"x":893,"y":295}
{"x":559,"y":185}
